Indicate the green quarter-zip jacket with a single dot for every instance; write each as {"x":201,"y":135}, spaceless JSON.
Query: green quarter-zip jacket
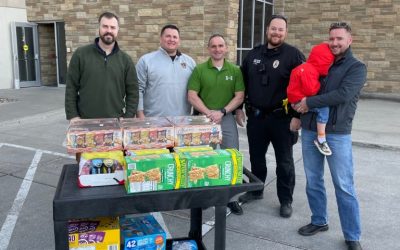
{"x":100,"y":85}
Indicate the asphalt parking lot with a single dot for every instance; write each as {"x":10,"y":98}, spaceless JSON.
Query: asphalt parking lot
{"x":32,"y":131}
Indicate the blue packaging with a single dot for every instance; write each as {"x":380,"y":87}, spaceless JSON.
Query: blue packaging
{"x":142,"y":233}
{"x":184,"y":245}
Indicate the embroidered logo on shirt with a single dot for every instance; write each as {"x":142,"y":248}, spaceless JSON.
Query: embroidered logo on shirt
{"x":183,"y":65}
{"x":275,"y":64}
{"x":256,"y":61}
{"x":229,"y":78}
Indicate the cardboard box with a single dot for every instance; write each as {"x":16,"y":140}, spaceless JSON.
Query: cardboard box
{"x":152,"y":151}
{"x":195,"y":131}
{"x":150,"y":132}
{"x":192,"y":149}
{"x":153,"y":173}
{"x":94,"y":135}
{"x":142,"y":233}
{"x":100,"y":234}
{"x":213,"y":168}
{"x":101,"y":169}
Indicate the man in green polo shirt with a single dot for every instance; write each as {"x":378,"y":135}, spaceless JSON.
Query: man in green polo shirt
{"x":216,"y":89}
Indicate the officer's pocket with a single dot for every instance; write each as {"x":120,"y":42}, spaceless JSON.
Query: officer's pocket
{"x":295,"y":136}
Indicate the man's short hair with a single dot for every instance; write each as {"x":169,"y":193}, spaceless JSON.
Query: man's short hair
{"x":108,"y":15}
{"x":278,"y":16}
{"x":215,"y":35}
{"x":169,"y":26}
{"x":340,"y":25}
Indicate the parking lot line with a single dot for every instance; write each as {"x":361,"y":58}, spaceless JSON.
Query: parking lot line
{"x":12,"y":216}
{"x":35,"y":149}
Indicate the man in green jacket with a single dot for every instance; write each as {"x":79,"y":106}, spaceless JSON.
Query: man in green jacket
{"x":101,"y":80}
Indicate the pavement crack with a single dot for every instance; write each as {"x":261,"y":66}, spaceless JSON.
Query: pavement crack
{"x":265,"y":238}
{"x":36,"y":182}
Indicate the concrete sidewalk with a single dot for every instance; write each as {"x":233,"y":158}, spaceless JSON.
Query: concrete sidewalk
{"x":33,"y":120}
{"x":377,"y":121}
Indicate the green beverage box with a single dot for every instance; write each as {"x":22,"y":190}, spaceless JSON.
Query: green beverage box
{"x":213,"y":168}
{"x":156,"y":172}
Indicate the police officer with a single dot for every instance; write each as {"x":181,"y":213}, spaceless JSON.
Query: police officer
{"x":266,"y":71}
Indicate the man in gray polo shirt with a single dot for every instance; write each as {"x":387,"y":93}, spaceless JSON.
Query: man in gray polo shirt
{"x":163,"y":75}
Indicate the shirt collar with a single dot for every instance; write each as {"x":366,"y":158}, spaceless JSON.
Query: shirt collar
{"x":210,"y":65}
{"x":178,"y":53}
{"x":114,"y":50}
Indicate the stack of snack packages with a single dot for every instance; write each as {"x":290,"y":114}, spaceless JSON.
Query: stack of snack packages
{"x":150,"y":154}
{"x":192,"y":163}
{"x":99,"y":141}
{"x":153,"y":154}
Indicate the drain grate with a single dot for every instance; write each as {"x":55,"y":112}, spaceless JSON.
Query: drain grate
{"x":4,"y":100}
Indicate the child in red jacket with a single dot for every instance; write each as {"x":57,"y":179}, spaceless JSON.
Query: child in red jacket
{"x":304,"y":81}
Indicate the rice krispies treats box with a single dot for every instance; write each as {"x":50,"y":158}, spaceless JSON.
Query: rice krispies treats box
{"x":142,"y":232}
{"x":156,"y":172}
{"x":149,"y":132}
{"x":213,"y":168}
{"x":101,"y":233}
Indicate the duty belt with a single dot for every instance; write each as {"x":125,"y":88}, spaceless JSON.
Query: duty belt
{"x":280,"y":108}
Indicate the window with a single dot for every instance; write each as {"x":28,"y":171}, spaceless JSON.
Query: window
{"x":253,"y":16}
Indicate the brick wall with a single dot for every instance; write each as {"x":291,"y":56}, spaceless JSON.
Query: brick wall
{"x":376,"y":26}
{"x":141,"y":22}
{"x":47,"y":48}
{"x":376,"y":30}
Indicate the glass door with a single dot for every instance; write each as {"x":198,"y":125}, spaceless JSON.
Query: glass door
{"x":25,"y":55}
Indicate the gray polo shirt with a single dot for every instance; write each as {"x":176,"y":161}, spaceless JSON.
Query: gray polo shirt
{"x":163,"y":83}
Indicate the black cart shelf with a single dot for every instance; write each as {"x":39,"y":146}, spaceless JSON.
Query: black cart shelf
{"x":72,"y":202}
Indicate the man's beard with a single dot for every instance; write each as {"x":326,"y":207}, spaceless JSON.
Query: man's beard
{"x":275,"y":44}
{"x":107,"y":40}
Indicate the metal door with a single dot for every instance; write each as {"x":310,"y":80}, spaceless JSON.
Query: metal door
{"x":25,"y":55}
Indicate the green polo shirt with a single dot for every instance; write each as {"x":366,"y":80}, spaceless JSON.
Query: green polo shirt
{"x":216,"y":88}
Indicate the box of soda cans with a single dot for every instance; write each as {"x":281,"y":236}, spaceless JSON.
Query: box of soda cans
{"x":101,"y":169}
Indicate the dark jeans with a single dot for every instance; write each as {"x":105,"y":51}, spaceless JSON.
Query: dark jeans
{"x":273,"y":128}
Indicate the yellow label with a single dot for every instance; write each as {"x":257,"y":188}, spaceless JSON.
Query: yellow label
{"x":235,"y":165}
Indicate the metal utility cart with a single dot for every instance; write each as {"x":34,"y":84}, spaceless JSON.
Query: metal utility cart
{"x":72,"y":202}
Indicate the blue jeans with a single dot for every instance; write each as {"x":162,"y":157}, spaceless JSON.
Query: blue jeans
{"x":322,"y":114}
{"x":341,"y":168}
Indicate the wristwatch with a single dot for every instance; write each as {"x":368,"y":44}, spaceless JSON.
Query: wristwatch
{"x":223,"y":110}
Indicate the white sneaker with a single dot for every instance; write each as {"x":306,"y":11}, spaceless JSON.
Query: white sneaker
{"x":323,"y":147}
